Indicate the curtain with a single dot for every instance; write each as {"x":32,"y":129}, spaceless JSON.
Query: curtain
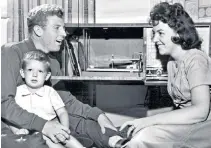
{"x":75,"y":11}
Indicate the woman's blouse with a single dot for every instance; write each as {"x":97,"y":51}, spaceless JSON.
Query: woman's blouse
{"x":193,"y":70}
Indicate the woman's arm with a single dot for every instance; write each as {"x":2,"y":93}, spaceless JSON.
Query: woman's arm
{"x":197,"y":112}
{"x":152,"y":112}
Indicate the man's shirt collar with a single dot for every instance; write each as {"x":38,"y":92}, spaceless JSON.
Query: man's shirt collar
{"x":30,"y":44}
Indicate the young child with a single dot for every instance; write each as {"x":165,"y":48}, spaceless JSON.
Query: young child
{"x":40,"y":99}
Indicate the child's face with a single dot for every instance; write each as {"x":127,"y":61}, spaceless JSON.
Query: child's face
{"x":35,"y":74}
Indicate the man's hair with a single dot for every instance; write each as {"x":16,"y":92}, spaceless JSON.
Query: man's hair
{"x":39,"y":14}
{"x":37,"y":55}
{"x":178,"y":19}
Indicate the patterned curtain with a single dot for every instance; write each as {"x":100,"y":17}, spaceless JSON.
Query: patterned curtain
{"x":76,"y":11}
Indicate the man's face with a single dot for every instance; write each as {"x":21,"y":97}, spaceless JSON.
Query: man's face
{"x":53,"y":34}
{"x":35,"y":74}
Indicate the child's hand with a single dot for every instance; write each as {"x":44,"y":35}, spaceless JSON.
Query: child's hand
{"x":22,"y":132}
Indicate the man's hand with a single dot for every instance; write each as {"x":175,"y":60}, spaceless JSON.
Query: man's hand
{"x":55,"y":131}
{"x":104,"y":122}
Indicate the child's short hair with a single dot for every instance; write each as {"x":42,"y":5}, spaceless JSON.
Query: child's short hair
{"x":37,"y":55}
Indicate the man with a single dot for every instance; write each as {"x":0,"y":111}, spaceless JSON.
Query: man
{"x":46,"y":32}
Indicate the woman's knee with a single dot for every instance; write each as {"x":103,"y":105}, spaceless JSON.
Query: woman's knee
{"x":140,"y":137}
{"x":133,"y":143}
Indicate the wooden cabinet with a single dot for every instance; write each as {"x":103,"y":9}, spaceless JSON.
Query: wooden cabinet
{"x":120,"y":50}
{"x":116,"y":48}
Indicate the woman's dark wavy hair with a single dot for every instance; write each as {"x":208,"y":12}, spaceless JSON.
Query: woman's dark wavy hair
{"x":179,"y":20}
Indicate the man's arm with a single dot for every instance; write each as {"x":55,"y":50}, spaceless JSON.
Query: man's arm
{"x":77,"y":108}
{"x":11,"y":112}
{"x":74,"y":107}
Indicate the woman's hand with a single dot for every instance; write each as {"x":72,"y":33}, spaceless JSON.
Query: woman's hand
{"x":136,"y":125}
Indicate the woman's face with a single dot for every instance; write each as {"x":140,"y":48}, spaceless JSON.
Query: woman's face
{"x":162,"y":34}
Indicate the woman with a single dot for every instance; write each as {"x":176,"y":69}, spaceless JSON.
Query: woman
{"x":189,"y":78}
